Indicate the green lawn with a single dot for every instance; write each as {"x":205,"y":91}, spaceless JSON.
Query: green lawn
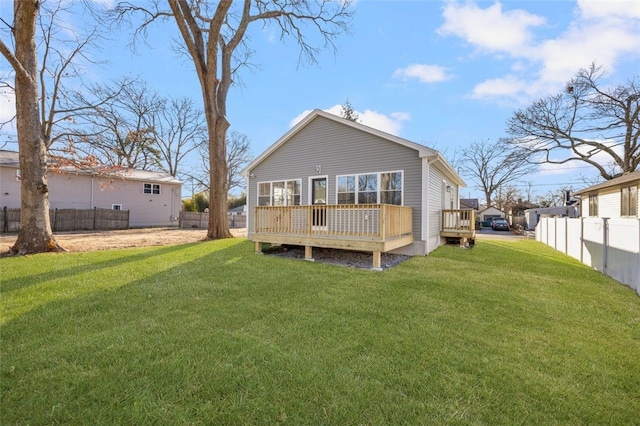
{"x":210,"y":333}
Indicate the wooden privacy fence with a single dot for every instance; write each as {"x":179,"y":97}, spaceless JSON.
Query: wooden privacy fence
{"x":71,"y":219}
{"x":201,"y":220}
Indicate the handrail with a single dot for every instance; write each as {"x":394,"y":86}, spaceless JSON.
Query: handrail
{"x":358,"y":221}
{"x":459,"y":220}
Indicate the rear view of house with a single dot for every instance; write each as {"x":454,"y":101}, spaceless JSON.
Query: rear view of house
{"x":331,"y":182}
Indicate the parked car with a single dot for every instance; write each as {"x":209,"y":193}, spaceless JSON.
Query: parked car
{"x":499,"y":224}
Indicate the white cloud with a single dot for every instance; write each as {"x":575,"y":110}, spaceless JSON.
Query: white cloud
{"x":502,"y":86}
{"x":491,"y":28}
{"x":391,"y":123}
{"x":600,"y":8}
{"x":424,"y":73}
{"x":601,"y":31}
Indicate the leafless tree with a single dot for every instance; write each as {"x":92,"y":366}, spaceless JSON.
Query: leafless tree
{"x":238,"y":156}
{"x":586,"y":123}
{"x":43,"y":106}
{"x":491,"y":167}
{"x":180,"y":129}
{"x":506,"y":196}
{"x":215,"y":37}
{"x":121,"y":132}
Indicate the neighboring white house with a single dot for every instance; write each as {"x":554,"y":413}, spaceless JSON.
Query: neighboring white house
{"x":612,"y":199}
{"x":356,"y":180}
{"x":153,"y":199}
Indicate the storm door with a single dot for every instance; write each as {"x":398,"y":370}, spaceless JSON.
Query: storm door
{"x":319,"y":198}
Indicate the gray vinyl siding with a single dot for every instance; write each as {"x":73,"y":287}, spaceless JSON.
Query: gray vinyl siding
{"x":339,"y":150}
{"x":435,"y":203}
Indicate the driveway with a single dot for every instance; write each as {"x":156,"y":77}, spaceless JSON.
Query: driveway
{"x":488,"y":234}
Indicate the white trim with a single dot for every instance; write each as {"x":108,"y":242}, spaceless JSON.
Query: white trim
{"x":113,"y":206}
{"x":153,"y":185}
{"x":378,"y":184}
{"x":270,"y":182}
{"x":310,"y":190}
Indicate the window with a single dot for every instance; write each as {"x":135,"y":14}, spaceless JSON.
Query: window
{"x":391,"y":188}
{"x":346,"y":189}
{"x":151,"y":188}
{"x":279,"y":193}
{"x":18,"y":176}
{"x":370,"y":188}
{"x":116,"y":206}
{"x":629,"y":201}
{"x":593,"y":205}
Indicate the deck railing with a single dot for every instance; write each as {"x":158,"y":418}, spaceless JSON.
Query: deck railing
{"x":458,"y":220}
{"x":373,"y":222}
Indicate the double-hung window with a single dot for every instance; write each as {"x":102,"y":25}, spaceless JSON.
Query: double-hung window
{"x":370,"y":188}
{"x":151,"y":188}
{"x":593,"y":205}
{"x":629,"y":201}
{"x":279,"y":193}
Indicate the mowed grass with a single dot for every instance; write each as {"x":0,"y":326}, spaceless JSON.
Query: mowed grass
{"x":210,"y":333}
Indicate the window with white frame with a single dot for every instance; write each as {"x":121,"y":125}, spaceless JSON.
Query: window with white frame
{"x":279,"y":193}
{"x":370,"y":188}
{"x":151,"y":188}
{"x":629,"y":201}
{"x":593,"y":205}
{"x":116,"y":206}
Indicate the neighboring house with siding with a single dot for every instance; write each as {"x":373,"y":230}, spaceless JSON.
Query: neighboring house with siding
{"x":351,"y":177}
{"x":615,"y":198}
{"x":153,"y":199}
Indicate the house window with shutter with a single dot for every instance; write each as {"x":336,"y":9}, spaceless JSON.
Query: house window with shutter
{"x":629,"y":201}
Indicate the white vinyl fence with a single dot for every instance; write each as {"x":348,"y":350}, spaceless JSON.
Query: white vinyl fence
{"x":612,"y":246}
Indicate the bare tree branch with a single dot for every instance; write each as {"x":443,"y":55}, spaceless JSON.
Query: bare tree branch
{"x":586,"y":123}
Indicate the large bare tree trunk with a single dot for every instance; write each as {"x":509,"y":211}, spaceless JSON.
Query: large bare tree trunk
{"x":35,"y":234}
{"x":218,"y":227}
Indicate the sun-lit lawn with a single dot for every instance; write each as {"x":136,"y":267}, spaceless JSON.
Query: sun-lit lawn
{"x":210,"y":333}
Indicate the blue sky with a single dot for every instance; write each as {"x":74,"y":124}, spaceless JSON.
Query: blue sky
{"x":441,"y":73}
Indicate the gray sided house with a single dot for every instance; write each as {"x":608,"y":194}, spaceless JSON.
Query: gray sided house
{"x":153,"y":199}
{"x":331,"y":182}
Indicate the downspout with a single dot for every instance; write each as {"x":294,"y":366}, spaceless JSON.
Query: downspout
{"x":92,"y":183}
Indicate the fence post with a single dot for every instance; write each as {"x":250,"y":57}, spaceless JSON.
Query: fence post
{"x":582,"y":239}
{"x":566,"y":235}
{"x":95,"y":213}
{"x":605,"y":243}
{"x":5,"y":222}
{"x":55,"y":213}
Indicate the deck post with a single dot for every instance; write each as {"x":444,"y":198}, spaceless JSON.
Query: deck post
{"x":377,"y":261}
{"x":258,"y":247}
{"x":308,"y":253}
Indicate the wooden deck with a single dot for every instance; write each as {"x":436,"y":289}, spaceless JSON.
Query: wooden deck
{"x":459,"y":224}
{"x":371,"y":227}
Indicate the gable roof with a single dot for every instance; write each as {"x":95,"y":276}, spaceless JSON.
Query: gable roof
{"x":11,"y":159}
{"x":423,"y":151}
{"x":620,"y":180}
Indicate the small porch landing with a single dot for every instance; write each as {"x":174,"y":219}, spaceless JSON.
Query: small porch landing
{"x":459,"y":225}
